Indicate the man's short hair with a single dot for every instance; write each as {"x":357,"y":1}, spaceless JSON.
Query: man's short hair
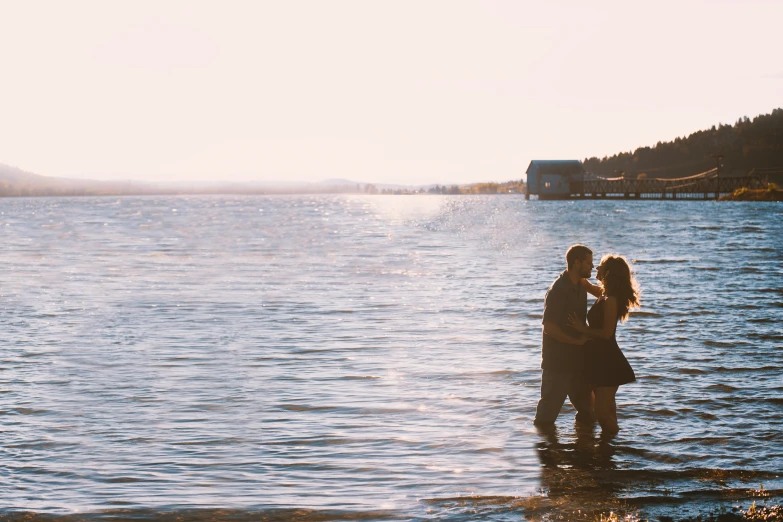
{"x":577,"y":253}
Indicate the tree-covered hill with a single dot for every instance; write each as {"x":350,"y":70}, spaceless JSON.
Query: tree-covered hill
{"x":748,"y":144}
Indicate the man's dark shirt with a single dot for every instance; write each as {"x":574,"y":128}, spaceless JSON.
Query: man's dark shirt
{"x":562,"y":299}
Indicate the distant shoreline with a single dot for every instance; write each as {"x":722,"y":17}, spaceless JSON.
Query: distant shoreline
{"x":238,"y":193}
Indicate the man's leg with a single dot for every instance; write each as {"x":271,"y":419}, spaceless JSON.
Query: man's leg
{"x":554,"y":389}
{"x":580,"y":394}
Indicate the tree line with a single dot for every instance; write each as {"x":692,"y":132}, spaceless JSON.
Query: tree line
{"x":507,"y":187}
{"x":746,"y":145}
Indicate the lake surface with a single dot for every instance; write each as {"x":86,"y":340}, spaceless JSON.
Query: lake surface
{"x":376,"y":356}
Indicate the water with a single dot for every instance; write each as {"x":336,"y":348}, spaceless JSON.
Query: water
{"x":375,"y":356}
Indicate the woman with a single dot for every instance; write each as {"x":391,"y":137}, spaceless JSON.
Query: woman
{"x":606,"y":366}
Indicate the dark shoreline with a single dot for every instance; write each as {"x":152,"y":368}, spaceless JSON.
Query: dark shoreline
{"x":765,"y":508}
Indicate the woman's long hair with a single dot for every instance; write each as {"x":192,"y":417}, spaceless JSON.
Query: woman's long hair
{"x":619,"y":282}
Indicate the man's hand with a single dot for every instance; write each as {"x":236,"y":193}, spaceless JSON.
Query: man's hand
{"x":554,"y":331}
{"x":577,"y":324}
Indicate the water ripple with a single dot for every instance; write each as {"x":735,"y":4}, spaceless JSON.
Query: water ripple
{"x":244,"y":353}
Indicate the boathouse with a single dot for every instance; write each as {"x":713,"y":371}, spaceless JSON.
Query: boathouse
{"x":554,"y":179}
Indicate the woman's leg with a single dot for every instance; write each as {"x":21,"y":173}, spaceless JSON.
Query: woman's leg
{"x":606,"y":408}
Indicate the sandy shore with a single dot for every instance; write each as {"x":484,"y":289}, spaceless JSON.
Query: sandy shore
{"x":771,"y":193}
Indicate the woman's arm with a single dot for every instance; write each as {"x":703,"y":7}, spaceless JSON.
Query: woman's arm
{"x":594,"y":290}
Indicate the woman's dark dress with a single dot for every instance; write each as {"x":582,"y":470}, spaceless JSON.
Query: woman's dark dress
{"x":605,"y":364}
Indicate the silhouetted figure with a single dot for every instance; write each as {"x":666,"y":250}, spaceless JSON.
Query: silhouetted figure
{"x":606,"y":368}
{"x":562,"y":353}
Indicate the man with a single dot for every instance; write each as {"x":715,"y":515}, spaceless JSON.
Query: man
{"x":562,"y":357}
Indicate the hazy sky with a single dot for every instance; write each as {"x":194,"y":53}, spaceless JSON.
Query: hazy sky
{"x":378,"y":91}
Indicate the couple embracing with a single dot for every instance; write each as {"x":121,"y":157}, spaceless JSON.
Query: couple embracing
{"x":581,"y":358}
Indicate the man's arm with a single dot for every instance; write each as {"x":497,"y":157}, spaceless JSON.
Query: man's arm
{"x":553,"y":330}
{"x":554,"y":313}
{"x":609,"y":325}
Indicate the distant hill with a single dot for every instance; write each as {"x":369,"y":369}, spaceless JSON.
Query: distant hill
{"x":339,"y":182}
{"x":15,"y":182}
{"x":748,"y":144}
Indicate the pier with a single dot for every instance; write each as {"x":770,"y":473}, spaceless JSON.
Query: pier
{"x":706,"y":185}
{"x":567,"y":180}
